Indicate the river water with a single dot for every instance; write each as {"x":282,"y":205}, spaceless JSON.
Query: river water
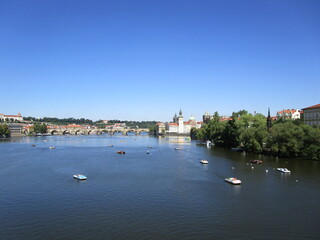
{"x":166,"y":194}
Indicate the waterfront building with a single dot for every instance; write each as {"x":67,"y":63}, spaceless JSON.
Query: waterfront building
{"x":178,"y":126}
{"x":161,"y":128}
{"x":289,"y":114}
{"x":13,"y":118}
{"x":312,"y":115}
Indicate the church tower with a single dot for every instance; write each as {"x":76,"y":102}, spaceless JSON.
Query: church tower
{"x":268,"y":120}
{"x":180,"y":123}
{"x":175,"y":118}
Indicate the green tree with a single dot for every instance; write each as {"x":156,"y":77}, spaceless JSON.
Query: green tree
{"x":39,"y":128}
{"x":286,"y":139}
{"x":4,"y":130}
{"x":311,"y":142}
{"x":252,"y":132}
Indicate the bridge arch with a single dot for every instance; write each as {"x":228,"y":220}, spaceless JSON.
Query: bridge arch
{"x":66,"y":132}
{"x":130,"y":131}
{"x":54,"y":132}
{"x":143,"y":131}
{"x":79,"y":132}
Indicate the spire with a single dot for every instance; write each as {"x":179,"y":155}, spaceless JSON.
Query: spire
{"x":180,"y":113}
{"x":268,"y":120}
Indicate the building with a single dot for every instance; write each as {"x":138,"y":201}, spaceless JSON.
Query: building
{"x":11,"y":118}
{"x":206,"y":118}
{"x":178,"y":126}
{"x":312,"y":115}
{"x":160,"y":128}
{"x":289,"y":114}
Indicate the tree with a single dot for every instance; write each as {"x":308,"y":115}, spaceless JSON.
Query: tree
{"x":4,"y":130}
{"x":311,"y":142}
{"x":39,"y":128}
{"x":252,"y":132}
{"x":286,"y":139}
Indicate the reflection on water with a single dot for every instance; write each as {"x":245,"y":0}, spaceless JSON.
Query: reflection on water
{"x":167,"y":194}
{"x":175,"y":139}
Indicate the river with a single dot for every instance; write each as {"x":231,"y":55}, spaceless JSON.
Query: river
{"x":166,"y":194}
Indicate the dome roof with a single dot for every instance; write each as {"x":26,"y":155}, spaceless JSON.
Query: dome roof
{"x":192,"y":118}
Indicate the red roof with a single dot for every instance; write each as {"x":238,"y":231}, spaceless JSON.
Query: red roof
{"x":287,"y":111}
{"x":73,"y":126}
{"x":12,"y":115}
{"x":190,"y":122}
{"x":173,"y":124}
{"x":225,"y":119}
{"x":314,"y":106}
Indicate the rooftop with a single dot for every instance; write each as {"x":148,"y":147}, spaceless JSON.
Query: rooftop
{"x":314,"y":106}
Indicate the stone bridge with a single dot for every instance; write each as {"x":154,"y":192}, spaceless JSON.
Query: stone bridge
{"x":82,"y":131}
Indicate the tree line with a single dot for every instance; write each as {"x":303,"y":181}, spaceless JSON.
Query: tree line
{"x":284,"y":138}
{"x":80,"y":121}
{"x":60,"y":121}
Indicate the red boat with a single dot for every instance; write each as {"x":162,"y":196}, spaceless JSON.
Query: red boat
{"x":121,"y":152}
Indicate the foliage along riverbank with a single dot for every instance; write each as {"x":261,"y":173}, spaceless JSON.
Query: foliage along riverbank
{"x":4,"y":130}
{"x":285,"y":138}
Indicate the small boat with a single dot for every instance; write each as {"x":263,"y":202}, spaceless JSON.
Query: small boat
{"x":33,"y":145}
{"x":80,"y":177}
{"x":121,"y":152}
{"x":204,"y":161}
{"x":284,"y":170}
{"x":256,"y":161}
{"x":52,"y":147}
{"x":237,"y":149}
{"x":233,"y":181}
{"x":148,"y":152}
{"x":110,"y":145}
{"x":177,"y":148}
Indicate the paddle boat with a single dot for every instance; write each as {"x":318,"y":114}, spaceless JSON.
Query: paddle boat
{"x":121,"y":152}
{"x":80,"y":177}
{"x":233,"y":181}
{"x":256,"y":161}
{"x":52,"y":147}
{"x":284,"y":170}
{"x":177,"y":148}
{"x":204,"y":161}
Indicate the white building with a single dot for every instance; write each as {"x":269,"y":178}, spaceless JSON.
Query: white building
{"x":178,"y":126}
{"x":289,"y":114}
{"x":312,"y":115}
{"x":12,"y":118}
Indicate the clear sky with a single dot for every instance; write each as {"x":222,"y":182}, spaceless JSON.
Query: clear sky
{"x":146,"y":59}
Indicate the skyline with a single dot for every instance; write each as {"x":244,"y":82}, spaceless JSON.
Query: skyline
{"x":144,"y":60}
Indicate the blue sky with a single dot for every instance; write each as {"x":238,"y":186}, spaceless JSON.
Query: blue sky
{"x":146,"y":59}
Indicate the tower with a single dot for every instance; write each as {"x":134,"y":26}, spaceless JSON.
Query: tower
{"x":175,"y":118}
{"x":206,"y":118}
{"x":180,"y":122}
{"x":268,"y":120}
